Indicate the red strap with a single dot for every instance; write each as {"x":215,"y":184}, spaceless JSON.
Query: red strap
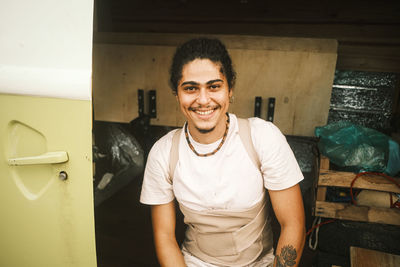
{"x":372,"y":173}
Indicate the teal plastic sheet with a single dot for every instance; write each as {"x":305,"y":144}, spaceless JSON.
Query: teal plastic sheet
{"x":358,"y":148}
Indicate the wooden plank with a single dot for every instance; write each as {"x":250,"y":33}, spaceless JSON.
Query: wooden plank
{"x":321,"y":193}
{"x":317,"y":45}
{"x":350,"y":212}
{"x":321,"y":190}
{"x":324,"y":163}
{"x":265,"y":73}
{"x":369,"y":63}
{"x":119,"y":70}
{"x":344,"y":179}
{"x":262,"y":11}
{"x":361,"y":257}
{"x":348,"y":32}
{"x":369,"y":49}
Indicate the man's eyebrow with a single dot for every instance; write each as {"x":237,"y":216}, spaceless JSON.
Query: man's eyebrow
{"x":196,"y":83}
{"x":189,"y":82}
{"x":213,"y":81}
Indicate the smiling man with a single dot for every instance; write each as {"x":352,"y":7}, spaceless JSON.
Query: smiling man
{"x":223,"y":171}
{"x":203,"y":95}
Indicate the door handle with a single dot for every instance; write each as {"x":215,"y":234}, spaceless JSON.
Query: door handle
{"x":46,"y":158}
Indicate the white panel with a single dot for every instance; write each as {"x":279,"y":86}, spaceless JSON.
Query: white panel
{"x":60,"y":83}
{"x":44,"y":47}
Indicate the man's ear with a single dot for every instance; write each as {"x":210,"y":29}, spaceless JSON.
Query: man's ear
{"x":230,"y":92}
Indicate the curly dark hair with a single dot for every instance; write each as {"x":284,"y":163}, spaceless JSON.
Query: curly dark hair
{"x":201,"y":48}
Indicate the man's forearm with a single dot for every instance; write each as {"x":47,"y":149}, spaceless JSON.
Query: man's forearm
{"x":169,"y":253}
{"x":290,"y":246}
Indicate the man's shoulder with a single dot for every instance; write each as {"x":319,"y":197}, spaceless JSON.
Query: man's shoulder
{"x":163,"y":145}
{"x":160,"y":154}
{"x":262,"y":129}
{"x":258,"y":124}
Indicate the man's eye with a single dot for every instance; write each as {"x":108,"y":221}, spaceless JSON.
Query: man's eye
{"x":215,"y":86}
{"x":190,"y":88}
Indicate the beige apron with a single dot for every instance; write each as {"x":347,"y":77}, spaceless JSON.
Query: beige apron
{"x":228,"y":238}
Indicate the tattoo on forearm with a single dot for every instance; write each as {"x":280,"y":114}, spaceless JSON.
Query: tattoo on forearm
{"x":287,"y":257}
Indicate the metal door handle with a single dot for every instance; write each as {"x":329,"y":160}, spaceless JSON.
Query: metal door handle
{"x":46,"y":158}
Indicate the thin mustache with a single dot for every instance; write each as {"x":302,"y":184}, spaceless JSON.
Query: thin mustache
{"x":198,"y":108}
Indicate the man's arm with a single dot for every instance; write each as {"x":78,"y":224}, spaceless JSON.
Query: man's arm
{"x":168,"y":251}
{"x":289,"y":210}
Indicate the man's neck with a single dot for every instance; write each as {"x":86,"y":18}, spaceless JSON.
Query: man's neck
{"x":209,"y":137}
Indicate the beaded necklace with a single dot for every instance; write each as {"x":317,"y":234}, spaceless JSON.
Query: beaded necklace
{"x":215,"y":150}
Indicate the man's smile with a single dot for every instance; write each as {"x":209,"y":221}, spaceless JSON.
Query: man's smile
{"x":204,"y":111}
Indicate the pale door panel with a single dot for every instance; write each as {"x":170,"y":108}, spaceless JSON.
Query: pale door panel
{"x":46,"y":221}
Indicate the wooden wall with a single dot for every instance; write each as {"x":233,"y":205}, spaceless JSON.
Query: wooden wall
{"x":298,"y":72}
{"x":367,"y":31}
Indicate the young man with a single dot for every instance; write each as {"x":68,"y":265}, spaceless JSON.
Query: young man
{"x":219,"y":188}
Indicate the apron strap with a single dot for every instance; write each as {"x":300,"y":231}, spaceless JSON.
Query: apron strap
{"x":174,"y":154}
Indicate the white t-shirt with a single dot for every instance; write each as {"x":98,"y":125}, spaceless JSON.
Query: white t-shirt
{"x":226,"y":180}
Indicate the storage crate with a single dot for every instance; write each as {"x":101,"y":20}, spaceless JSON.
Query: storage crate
{"x":347,"y":211}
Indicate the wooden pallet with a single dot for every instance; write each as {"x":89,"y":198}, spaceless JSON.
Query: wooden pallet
{"x":347,"y":211}
{"x":361,"y":257}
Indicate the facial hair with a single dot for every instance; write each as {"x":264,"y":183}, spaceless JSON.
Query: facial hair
{"x":205,"y":131}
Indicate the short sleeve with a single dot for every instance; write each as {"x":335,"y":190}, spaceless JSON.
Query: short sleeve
{"x":156,"y":188}
{"x":278,"y":164}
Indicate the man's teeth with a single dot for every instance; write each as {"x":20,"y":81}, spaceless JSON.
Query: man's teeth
{"x":204,"y":112}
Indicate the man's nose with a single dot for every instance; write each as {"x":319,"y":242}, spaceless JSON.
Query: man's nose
{"x":203,"y":97}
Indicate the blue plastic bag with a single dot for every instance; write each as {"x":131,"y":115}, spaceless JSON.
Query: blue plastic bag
{"x":393,"y":165}
{"x":358,"y":148}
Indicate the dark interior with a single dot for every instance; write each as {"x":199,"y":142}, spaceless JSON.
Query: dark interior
{"x":368,"y":35}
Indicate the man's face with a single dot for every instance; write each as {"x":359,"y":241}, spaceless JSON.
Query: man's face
{"x":203,"y":95}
